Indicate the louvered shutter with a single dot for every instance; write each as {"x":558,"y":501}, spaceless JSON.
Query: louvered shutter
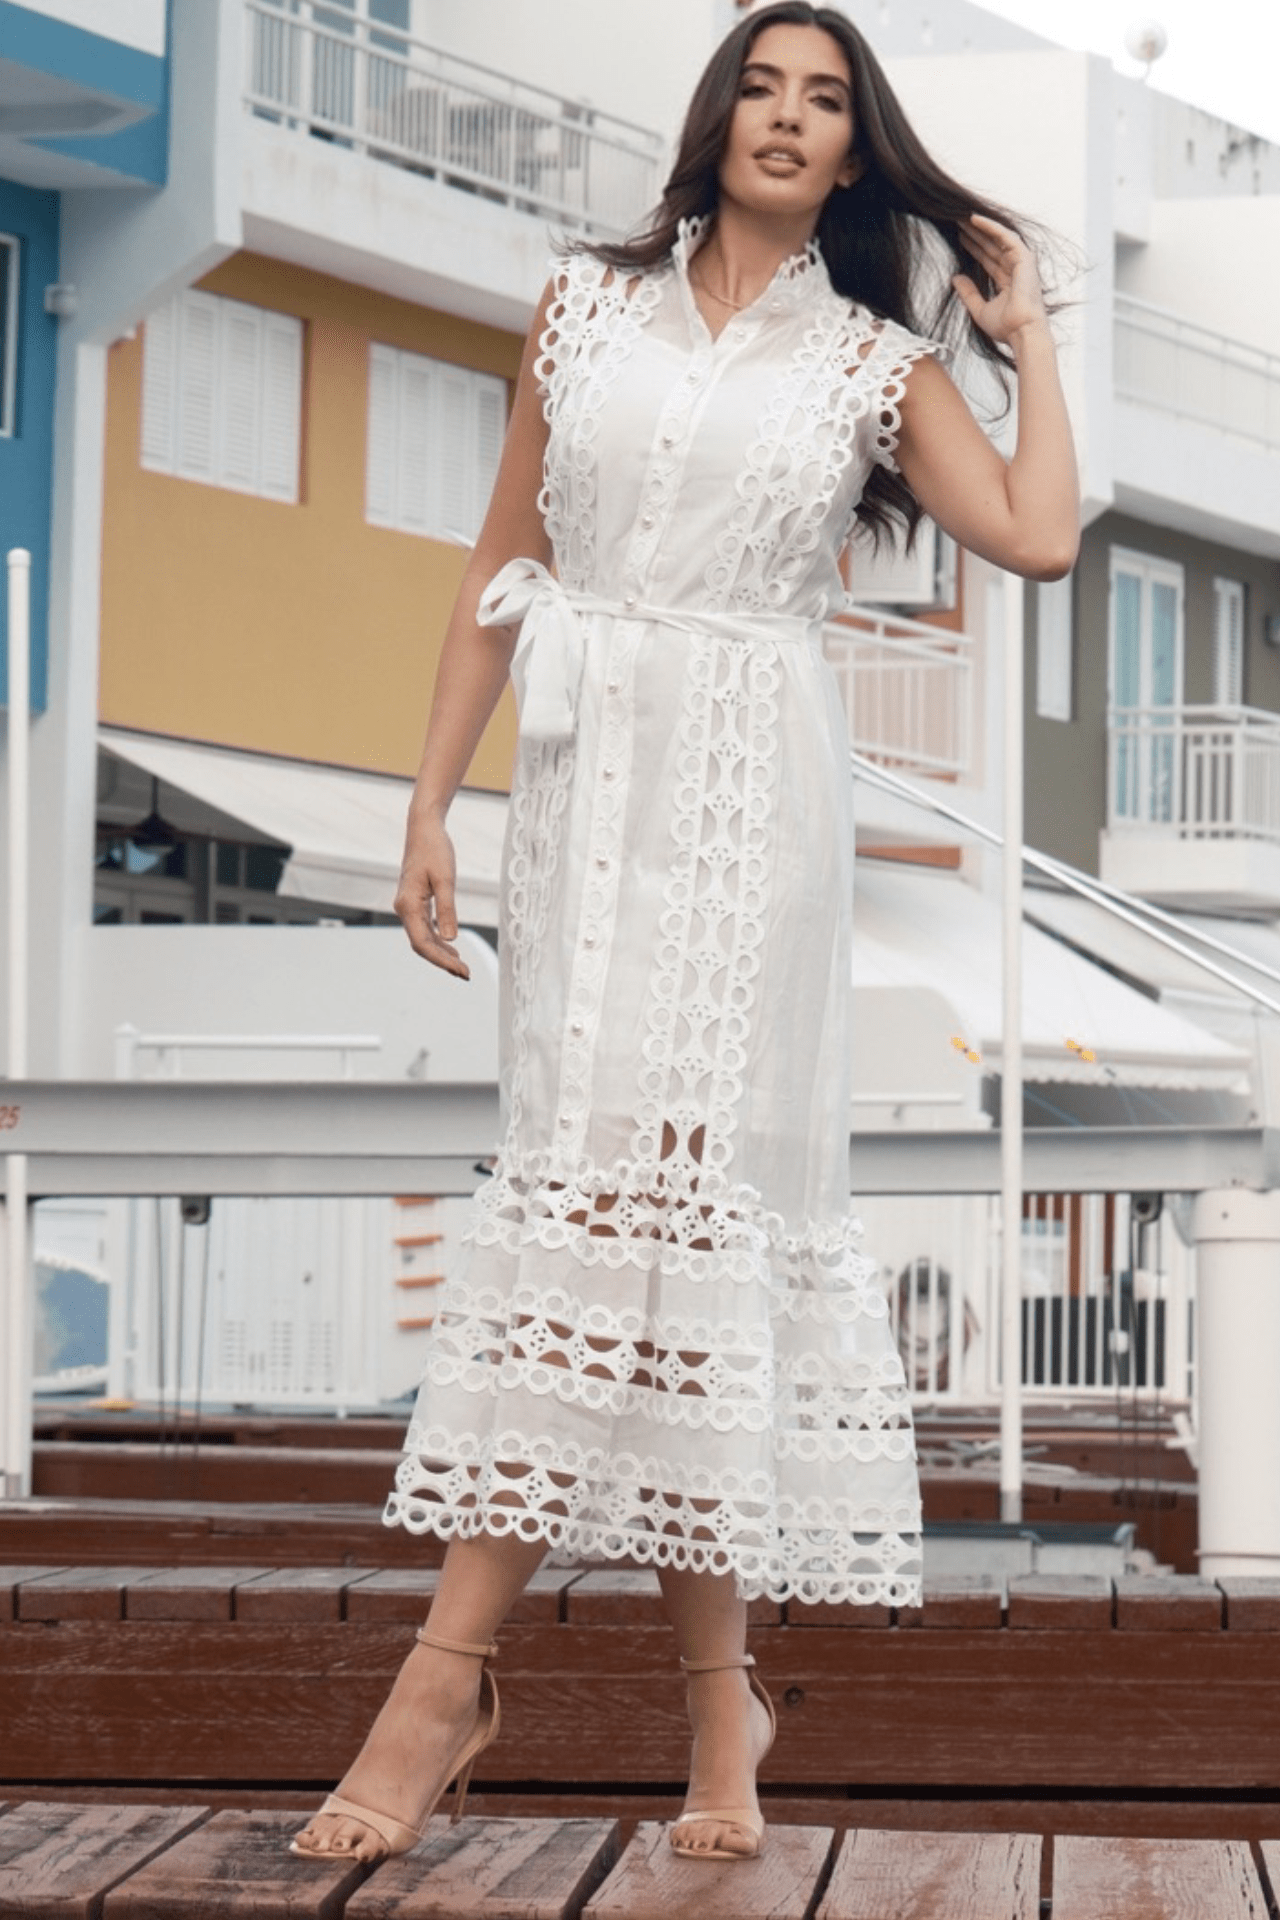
{"x":158,"y":346}
{"x":380,"y":439}
{"x":1053,"y":649}
{"x":489,"y":426}
{"x":452,"y":460}
{"x":239,"y":399}
{"x":415,"y":427}
{"x":197,"y":386}
{"x":281,"y":420}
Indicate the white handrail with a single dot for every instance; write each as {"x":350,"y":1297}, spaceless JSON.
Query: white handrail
{"x":1194,"y":772}
{"x":907,"y":689}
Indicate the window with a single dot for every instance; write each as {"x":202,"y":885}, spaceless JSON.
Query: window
{"x":1144,"y":683}
{"x":222,"y":395}
{"x":8,"y":335}
{"x":434,"y":441}
{"x":1054,"y":649}
{"x":1228,"y":643}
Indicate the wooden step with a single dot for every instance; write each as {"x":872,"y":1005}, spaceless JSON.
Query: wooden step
{"x":121,"y":1861}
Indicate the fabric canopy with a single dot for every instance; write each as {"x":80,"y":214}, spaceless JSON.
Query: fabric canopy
{"x":934,"y":930}
{"x":344,"y":830}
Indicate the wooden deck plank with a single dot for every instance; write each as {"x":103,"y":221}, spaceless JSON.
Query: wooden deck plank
{"x":11,"y":1579}
{"x":965,"y":1601}
{"x":1096,"y":1879}
{"x":934,"y":1876}
{"x":650,"y":1882}
{"x":58,"y":1859}
{"x":76,"y":1593}
{"x":1150,"y":1603}
{"x":186,"y":1593}
{"x":492,"y":1870}
{"x":622,"y":1596}
{"x":237,"y":1866}
{"x":297,"y":1594}
{"x":404,"y":1594}
{"x":1080,"y":1602}
{"x":1252,"y":1603}
{"x":837,"y":1613}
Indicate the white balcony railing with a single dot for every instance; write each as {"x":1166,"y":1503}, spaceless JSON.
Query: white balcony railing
{"x":335,"y":75}
{"x":1167,"y":362}
{"x":1107,"y":1305}
{"x":1195,"y":773}
{"x":907,"y":690}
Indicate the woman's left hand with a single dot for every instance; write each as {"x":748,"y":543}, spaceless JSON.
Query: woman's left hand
{"x":1017,"y":301}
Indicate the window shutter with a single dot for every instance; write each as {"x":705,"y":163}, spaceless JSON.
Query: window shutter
{"x":434,"y":441}
{"x":1228,"y":643}
{"x":890,"y":576}
{"x":1053,"y":649}
{"x":281,"y":406}
{"x":413,"y":450}
{"x":380,"y":439}
{"x":239,"y":414}
{"x":197,"y":384}
{"x":454,"y":462}
{"x":490,"y":424}
{"x":158,"y":344}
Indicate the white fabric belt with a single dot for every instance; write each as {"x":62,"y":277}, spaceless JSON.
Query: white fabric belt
{"x":546,"y":667}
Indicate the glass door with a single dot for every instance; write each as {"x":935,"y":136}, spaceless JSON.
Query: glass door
{"x":1145,"y":685}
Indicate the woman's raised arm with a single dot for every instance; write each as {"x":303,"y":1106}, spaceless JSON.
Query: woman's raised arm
{"x":1023,"y":513}
{"x":474,"y":663}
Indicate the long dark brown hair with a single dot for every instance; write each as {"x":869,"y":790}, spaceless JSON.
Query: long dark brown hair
{"x":890,"y":241}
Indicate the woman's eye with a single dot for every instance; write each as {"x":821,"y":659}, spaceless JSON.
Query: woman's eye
{"x":752,"y":88}
{"x":829,"y":101}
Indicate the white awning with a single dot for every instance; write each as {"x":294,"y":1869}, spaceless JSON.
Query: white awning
{"x":1122,"y":946}
{"x":933,"y":930}
{"x":344,"y":830}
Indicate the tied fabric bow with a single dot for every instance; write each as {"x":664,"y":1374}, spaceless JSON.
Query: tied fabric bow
{"x":546,"y":668}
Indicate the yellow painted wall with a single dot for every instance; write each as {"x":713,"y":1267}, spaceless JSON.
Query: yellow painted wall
{"x":294,"y":630}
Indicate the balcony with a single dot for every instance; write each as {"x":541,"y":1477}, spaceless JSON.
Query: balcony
{"x":376,"y":91}
{"x":1197,"y":427}
{"x":907,"y":691}
{"x":1193,"y":806}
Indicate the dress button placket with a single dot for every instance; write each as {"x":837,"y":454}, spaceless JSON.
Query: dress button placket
{"x":599,"y":900}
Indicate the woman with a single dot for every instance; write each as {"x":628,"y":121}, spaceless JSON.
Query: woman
{"x":665,"y":1343}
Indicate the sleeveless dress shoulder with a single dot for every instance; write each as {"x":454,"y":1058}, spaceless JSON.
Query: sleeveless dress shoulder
{"x":664,"y":1342}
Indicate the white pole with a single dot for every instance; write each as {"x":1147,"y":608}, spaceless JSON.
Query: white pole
{"x":1011,"y":1067}
{"x":1237,"y":1236}
{"x":16,"y":1436}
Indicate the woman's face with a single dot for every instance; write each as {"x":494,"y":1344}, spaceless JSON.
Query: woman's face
{"x":790,"y":140}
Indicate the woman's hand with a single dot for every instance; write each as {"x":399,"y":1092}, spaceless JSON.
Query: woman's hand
{"x":425,"y":903}
{"x":1018,"y":300}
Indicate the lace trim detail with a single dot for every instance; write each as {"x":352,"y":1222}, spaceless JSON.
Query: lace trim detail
{"x":886,"y":369}
{"x":632,"y":1215}
{"x":538,"y":797}
{"x":587,"y":1504}
{"x":703,"y":984}
{"x":591,"y":329}
{"x":810,"y":427}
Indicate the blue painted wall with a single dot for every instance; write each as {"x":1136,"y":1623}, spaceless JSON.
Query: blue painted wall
{"x":102,"y":69}
{"x":26,"y":460}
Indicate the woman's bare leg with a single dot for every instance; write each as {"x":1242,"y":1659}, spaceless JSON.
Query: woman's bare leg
{"x":730,"y":1727}
{"x":432,"y":1705}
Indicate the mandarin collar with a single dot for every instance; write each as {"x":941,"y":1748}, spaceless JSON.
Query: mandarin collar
{"x":799,"y":278}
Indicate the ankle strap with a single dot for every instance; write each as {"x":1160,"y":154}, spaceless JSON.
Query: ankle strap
{"x":487,"y":1651}
{"x":717,"y":1666}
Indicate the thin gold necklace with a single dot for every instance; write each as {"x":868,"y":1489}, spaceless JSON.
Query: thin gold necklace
{"x":735,"y":306}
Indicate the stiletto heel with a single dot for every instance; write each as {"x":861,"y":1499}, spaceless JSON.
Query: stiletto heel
{"x":745,"y":1817}
{"x":396,"y":1835}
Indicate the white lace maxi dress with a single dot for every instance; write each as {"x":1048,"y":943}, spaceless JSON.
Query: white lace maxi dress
{"x":663,"y":1341}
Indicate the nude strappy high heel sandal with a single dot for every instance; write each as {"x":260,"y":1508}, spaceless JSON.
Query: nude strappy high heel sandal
{"x":744,"y":1817}
{"x":395,"y":1834}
